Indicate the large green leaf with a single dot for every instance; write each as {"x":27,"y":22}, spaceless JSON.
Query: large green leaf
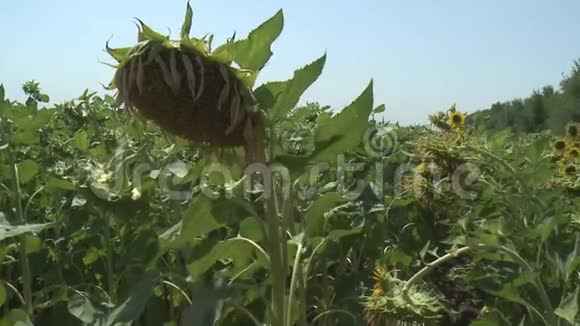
{"x":254,"y":51}
{"x":27,"y":169}
{"x":25,"y":137}
{"x":206,"y":303}
{"x":315,"y":216}
{"x":60,"y":184}
{"x":303,"y":78}
{"x":346,"y":130}
{"x":134,"y":305}
{"x":268,"y":93}
{"x":252,"y":228}
{"x":81,"y":140}
{"x":568,"y":308}
{"x":199,"y":219}
{"x":236,"y":249}
{"x":16,"y":317}
{"x":80,"y":306}
{"x":9,"y":231}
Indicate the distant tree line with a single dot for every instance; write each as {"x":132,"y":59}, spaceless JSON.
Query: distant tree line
{"x":543,"y":109}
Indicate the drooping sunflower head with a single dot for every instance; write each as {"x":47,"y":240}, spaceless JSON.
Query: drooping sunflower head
{"x":191,"y":90}
{"x":573,"y":130}
{"x":456,"y":119}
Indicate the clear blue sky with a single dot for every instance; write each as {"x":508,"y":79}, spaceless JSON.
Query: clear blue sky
{"x":423,"y":55}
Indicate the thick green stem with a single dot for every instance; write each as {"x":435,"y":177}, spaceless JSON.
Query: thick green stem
{"x":293,"y":283}
{"x":277,"y":244}
{"x":109,"y":262}
{"x":278,"y":275}
{"x":24,"y":263}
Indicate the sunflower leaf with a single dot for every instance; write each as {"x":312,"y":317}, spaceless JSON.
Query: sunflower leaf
{"x":568,"y":308}
{"x":254,"y":51}
{"x":302,"y":79}
{"x":345,"y":130}
{"x":224,"y":53}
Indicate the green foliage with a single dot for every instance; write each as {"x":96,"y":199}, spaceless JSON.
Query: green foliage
{"x":106,"y":220}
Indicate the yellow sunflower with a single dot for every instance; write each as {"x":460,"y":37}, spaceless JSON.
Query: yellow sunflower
{"x":378,"y":290}
{"x":420,"y":168}
{"x":572,"y":130}
{"x":379,"y":273}
{"x":571,"y":170}
{"x":559,"y":146}
{"x":456,"y":119}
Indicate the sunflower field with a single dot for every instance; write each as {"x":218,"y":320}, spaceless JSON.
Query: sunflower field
{"x":193,"y":196}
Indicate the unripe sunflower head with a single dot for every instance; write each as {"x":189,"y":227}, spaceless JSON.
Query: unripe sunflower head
{"x":456,"y":119}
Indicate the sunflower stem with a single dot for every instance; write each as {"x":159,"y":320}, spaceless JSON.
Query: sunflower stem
{"x":24,"y":262}
{"x":277,"y":246}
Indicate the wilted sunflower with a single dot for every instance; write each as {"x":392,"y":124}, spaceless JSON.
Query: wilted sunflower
{"x":189,"y":90}
{"x":572,"y":130}
{"x":456,"y":119}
